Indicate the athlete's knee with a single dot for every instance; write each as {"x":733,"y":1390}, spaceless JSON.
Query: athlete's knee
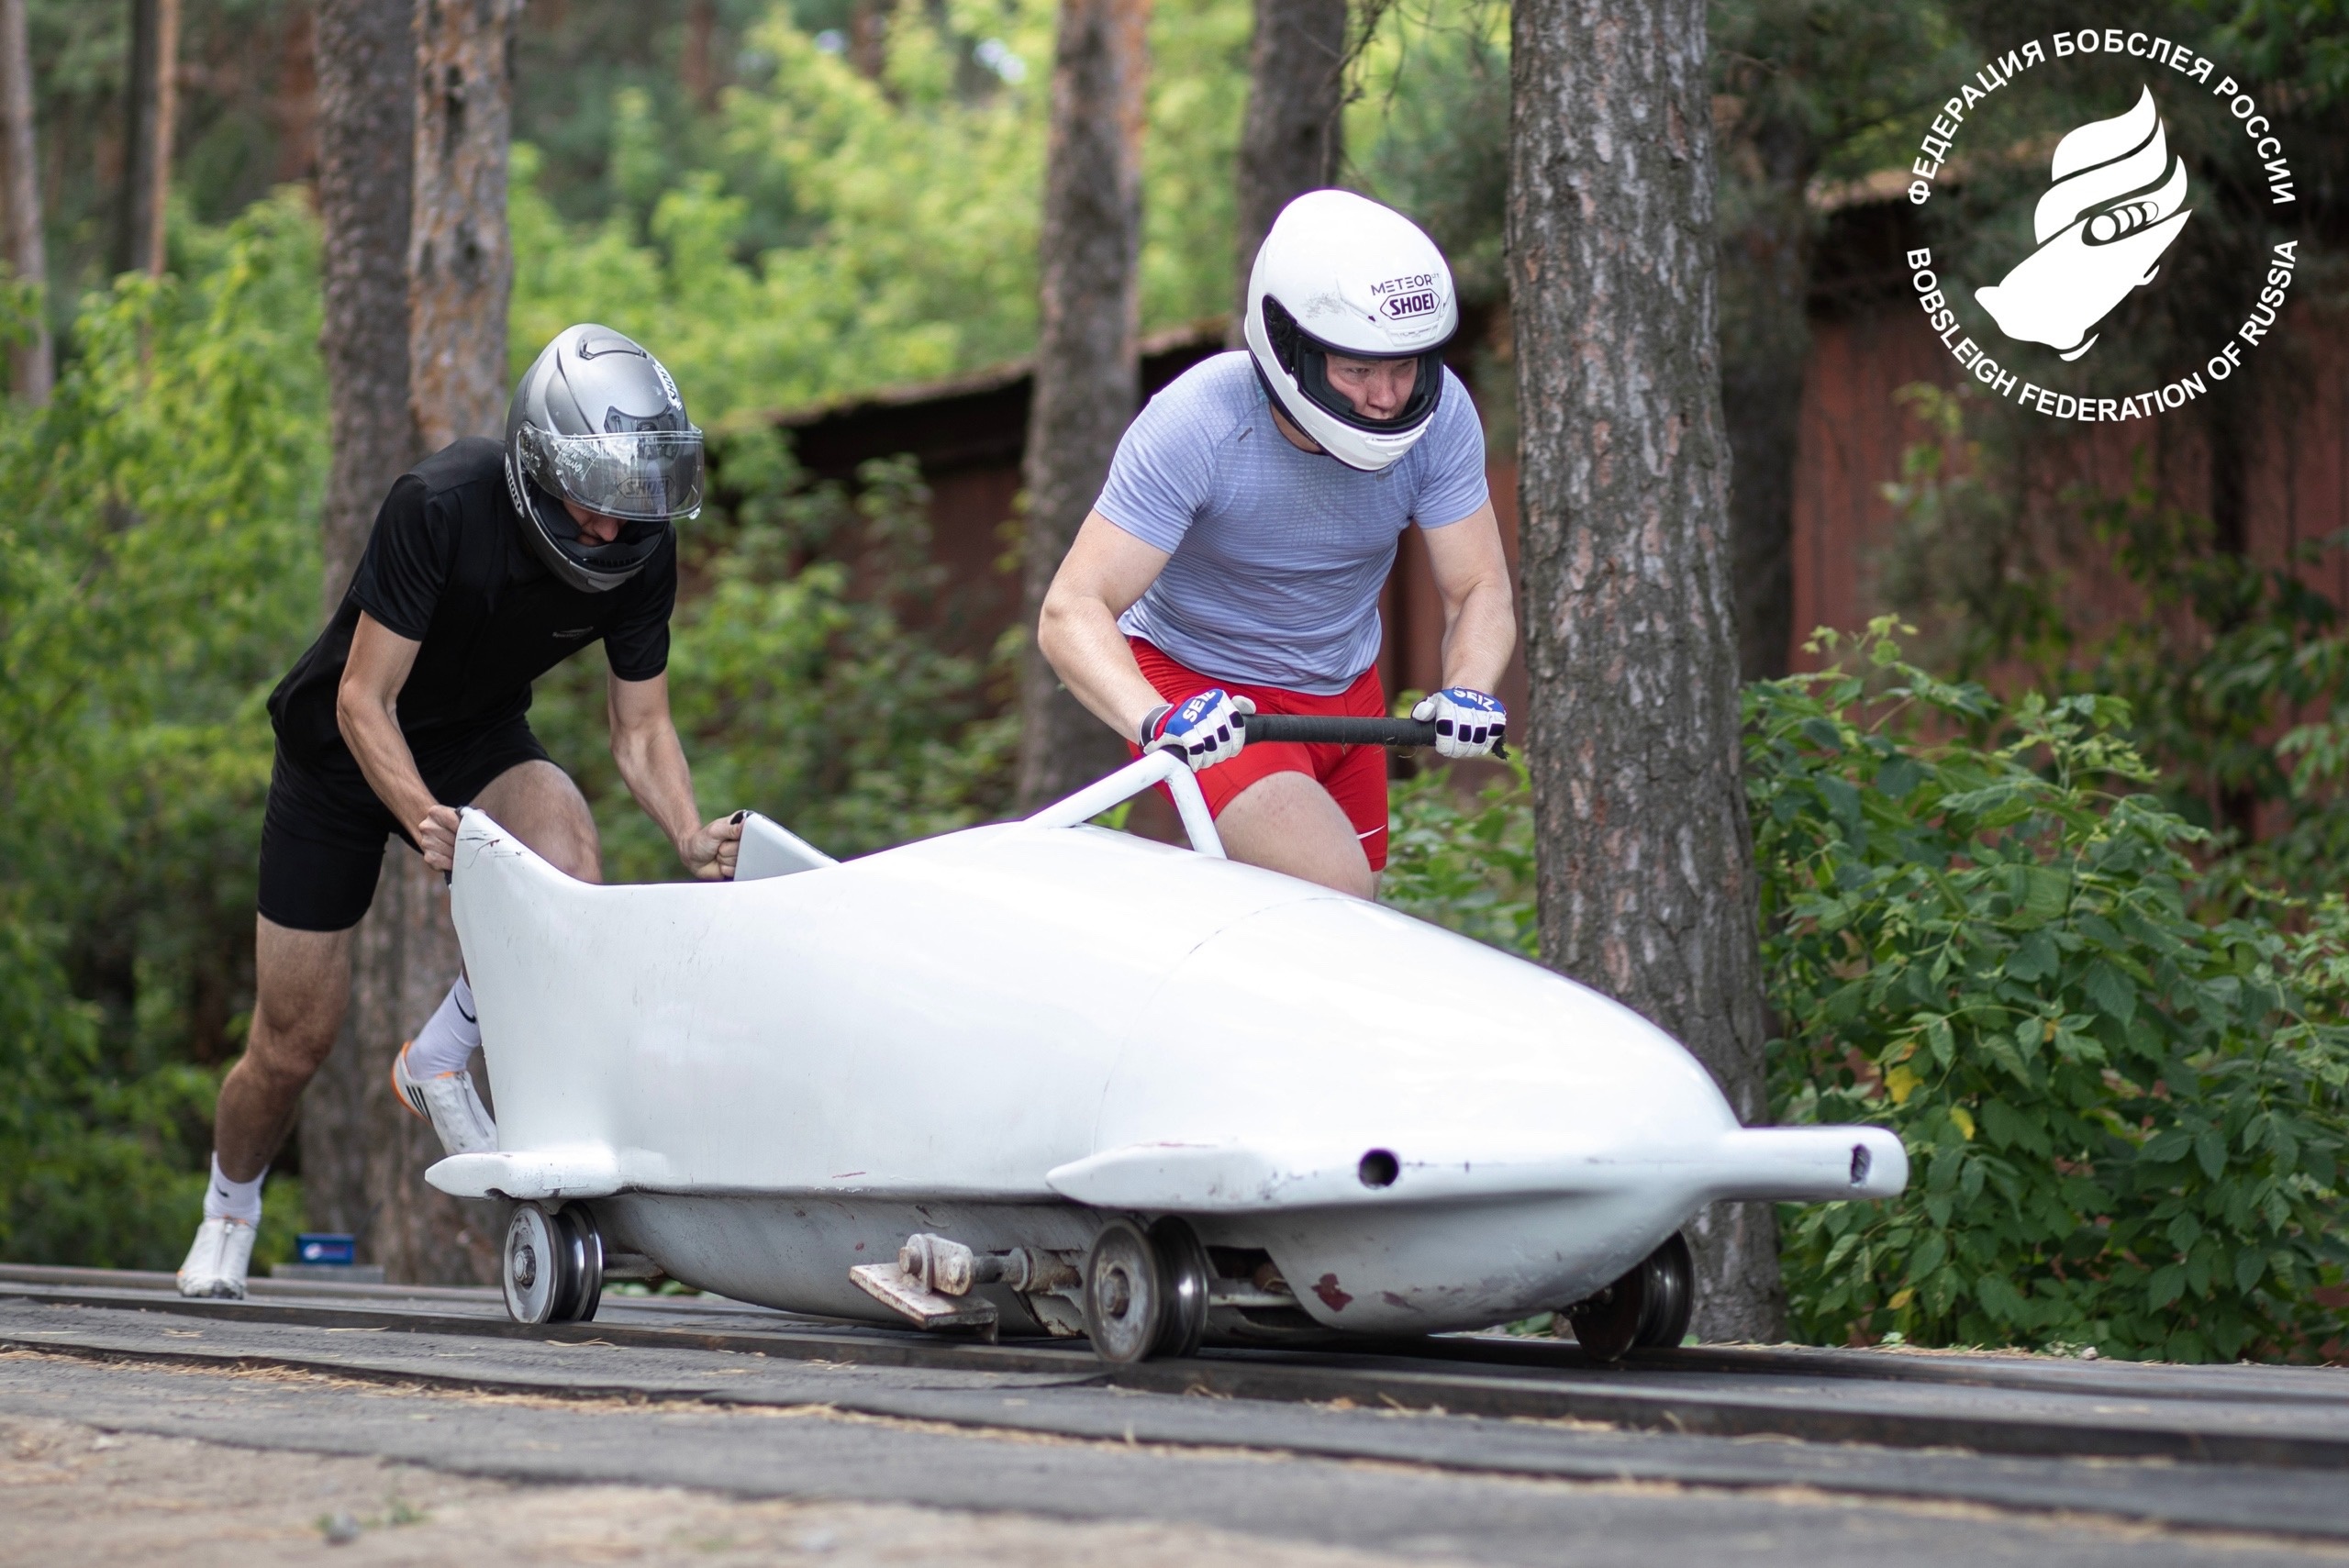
{"x":538,"y":803}
{"x":285,"y":1052}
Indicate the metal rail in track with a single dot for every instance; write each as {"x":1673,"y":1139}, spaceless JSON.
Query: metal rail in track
{"x":2012,"y":1406}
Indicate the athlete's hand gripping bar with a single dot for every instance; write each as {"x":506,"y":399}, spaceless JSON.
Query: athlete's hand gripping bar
{"x":1315,"y":729}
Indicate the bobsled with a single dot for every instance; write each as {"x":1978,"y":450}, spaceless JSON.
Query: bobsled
{"x":1042,"y":1077}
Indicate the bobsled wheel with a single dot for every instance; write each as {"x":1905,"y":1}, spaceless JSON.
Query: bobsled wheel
{"x":533,"y":1269}
{"x":1184,"y":1318}
{"x":582,"y":1253}
{"x":1125,"y":1294}
{"x":1607,"y":1323}
{"x":1669,"y":1294}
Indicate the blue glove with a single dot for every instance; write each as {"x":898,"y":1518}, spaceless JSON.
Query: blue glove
{"x":1467,"y":723}
{"x":1205,"y":730}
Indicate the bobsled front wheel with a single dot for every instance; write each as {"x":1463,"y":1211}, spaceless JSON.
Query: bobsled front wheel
{"x":1648,"y":1308}
{"x":553,"y":1264}
{"x":1145,"y":1292}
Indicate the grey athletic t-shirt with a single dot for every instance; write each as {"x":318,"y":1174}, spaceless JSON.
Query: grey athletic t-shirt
{"x":1277,"y":555}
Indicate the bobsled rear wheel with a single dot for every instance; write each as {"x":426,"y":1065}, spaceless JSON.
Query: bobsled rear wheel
{"x":553,"y":1264}
{"x":1182,"y":1322}
{"x":1125,"y":1292}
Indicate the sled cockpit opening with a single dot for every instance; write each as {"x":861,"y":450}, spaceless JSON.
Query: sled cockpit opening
{"x":768,"y":849}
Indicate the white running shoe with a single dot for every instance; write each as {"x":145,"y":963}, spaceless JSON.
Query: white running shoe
{"x":449,"y":1102}
{"x":216,"y":1264}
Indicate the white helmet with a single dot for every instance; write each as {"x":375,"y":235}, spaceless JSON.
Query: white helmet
{"x":1341,"y":274}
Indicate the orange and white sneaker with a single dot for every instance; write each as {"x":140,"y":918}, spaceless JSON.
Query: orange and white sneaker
{"x":449,"y":1101}
{"x":217,"y":1264}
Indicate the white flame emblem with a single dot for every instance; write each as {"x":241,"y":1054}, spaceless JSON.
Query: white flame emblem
{"x":2101,"y":229}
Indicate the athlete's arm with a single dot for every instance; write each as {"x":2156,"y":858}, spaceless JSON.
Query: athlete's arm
{"x":652,"y":764}
{"x":366,"y":709}
{"x":1106,"y":570}
{"x":1479,"y":612}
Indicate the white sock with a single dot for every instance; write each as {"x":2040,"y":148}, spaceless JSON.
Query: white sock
{"x":225,"y":1199}
{"x":446,"y":1041}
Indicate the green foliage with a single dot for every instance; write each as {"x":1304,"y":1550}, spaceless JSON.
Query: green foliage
{"x":2126,"y":1127}
{"x":1465,"y":861}
{"x":843,"y":233}
{"x":157,"y":567}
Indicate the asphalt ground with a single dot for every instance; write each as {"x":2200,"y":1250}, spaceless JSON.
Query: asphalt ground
{"x":745,"y":1405}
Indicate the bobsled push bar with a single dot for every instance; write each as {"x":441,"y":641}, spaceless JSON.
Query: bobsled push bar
{"x":1332,"y":730}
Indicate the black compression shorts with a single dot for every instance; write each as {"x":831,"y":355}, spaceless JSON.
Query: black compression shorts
{"x":323,"y":834}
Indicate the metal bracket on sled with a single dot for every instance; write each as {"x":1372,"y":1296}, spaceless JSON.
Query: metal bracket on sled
{"x":1159,"y":767}
{"x":931,"y":1280}
{"x":915,"y":1302}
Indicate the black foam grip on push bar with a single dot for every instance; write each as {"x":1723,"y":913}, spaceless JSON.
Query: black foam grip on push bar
{"x":1335,"y":730}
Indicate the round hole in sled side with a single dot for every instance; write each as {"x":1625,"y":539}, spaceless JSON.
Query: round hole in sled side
{"x":1379,"y":1168}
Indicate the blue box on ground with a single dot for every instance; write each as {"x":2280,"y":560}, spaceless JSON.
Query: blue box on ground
{"x":324,"y":1246}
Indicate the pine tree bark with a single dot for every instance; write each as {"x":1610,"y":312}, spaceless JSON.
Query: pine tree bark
{"x":460,"y":273}
{"x":365,"y":51}
{"x":1765,"y":253}
{"x":1088,"y":366}
{"x":31,"y":367}
{"x":153,"y":102}
{"x":1291,"y":140}
{"x":1645,"y":856}
{"x":460,"y":263}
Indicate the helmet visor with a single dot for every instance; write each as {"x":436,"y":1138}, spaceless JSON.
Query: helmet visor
{"x":639,"y":476}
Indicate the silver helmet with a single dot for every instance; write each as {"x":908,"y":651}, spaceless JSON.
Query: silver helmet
{"x":596,"y":421}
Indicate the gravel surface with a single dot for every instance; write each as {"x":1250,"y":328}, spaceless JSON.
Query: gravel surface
{"x":73,"y":1494}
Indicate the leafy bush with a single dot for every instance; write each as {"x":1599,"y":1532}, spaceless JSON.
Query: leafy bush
{"x":1465,"y":861}
{"x":158,"y":568}
{"x":2126,"y":1127}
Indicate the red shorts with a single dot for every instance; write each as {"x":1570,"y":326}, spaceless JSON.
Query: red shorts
{"x":1355,"y":776}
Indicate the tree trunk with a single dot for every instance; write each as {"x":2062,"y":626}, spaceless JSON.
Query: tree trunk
{"x":153,"y":96}
{"x":1087,"y":368}
{"x":868,"y":43}
{"x":1766,"y":254}
{"x":31,"y":368}
{"x":366,"y":65}
{"x":1645,"y":861}
{"x":1290,"y":141}
{"x":697,"y":65}
{"x":461,"y":265}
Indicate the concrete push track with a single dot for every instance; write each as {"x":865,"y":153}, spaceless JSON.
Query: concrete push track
{"x":1481,"y":1448}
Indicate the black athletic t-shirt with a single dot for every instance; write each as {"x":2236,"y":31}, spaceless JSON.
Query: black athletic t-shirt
{"x":447,"y":566}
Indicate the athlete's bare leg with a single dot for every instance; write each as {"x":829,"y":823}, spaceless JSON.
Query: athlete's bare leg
{"x":1286,"y":822}
{"x":302,"y":984}
{"x":538,"y":804}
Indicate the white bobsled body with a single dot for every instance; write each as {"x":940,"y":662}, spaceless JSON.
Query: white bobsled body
{"x":1006,"y":1034}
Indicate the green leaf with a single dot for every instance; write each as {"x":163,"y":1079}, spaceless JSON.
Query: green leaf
{"x":2113,"y":994}
{"x":2034,"y":958}
{"x":2210,"y":1152}
{"x":2047,"y":890}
